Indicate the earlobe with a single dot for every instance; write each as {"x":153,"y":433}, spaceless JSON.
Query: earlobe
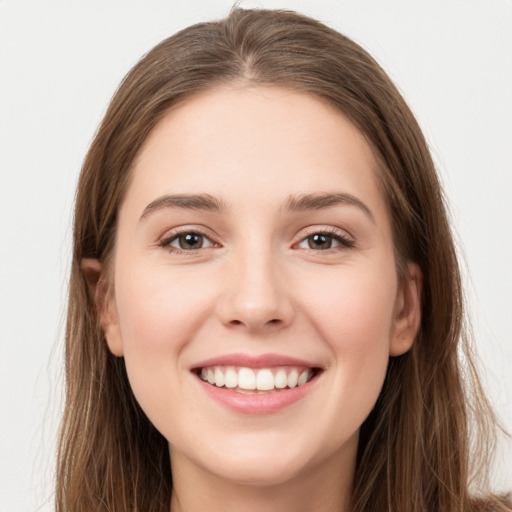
{"x":407,"y":311}
{"x":101,"y":294}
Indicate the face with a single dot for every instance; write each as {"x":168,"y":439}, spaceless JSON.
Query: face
{"x":254,"y":250}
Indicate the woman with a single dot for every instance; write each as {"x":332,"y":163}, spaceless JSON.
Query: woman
{"x":265,"y":304}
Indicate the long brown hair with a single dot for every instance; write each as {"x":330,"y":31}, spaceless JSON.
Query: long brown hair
{"x":414,"y":448}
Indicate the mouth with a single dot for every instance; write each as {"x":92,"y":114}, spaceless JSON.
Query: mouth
{"x":250,"y":381}
{"x":256,"y":385}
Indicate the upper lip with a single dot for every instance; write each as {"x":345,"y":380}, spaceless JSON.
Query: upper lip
{"x":251,"y":361}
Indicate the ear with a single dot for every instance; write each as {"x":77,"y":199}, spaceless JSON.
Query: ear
{"x":100,"y":291}
{"x":407,"y":317}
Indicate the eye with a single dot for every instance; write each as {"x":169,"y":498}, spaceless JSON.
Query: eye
{"x":187,"y":241}
{"x":324,"y":241}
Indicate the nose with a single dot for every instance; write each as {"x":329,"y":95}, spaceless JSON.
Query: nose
{"x":256,"y":295}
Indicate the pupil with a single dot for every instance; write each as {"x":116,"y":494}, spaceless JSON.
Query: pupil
{"x":191,"y":241}
{"x":320,"y":242}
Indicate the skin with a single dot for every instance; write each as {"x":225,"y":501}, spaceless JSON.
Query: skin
{"x":256,"y":287}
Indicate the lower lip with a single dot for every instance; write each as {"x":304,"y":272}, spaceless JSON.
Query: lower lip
{"x":257,"y":404}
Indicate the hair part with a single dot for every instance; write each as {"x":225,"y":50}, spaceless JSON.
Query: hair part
{"x":414,"y":449}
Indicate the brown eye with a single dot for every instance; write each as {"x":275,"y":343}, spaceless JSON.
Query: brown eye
{"x":325,"y":241}
{"x":188,"y":242}
{"x":320,"y":241}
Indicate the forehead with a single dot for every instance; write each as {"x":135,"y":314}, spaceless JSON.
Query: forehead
{"x":261,"y":142}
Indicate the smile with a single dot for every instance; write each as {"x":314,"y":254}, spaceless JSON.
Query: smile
{"x":256,"y":380}
{"x":256,"y":385}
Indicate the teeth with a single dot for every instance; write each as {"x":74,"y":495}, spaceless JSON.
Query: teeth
{"x":219,"y":378}
{"x":303,"y":378}
{"x":281,"y":379}
{"x":265,"y":380}
{"x":293,"y":378}
{"x":231,"y":379}
{"x":251,"y":380}
{"x":246,"y":379}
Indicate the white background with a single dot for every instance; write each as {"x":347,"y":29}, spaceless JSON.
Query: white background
{"x":60,"y":62}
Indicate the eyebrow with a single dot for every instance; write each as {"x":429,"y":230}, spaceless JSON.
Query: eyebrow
{"x":186,"y":201}
{"x":206,"y":202}
{"x":321,"y":201}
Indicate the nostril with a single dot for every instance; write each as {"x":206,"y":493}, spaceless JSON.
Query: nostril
{"x":274,"y":321}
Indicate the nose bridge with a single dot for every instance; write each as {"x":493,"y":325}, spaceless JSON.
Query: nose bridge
{"x":256,"y":295}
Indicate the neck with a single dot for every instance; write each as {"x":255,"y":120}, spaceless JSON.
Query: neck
{"x":324,"y":488}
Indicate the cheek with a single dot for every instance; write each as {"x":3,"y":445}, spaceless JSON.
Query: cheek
{"x":157,"y":312}
{"x":158,"y":316}
{"x":354,"y":309}
{"x":354,"y":314}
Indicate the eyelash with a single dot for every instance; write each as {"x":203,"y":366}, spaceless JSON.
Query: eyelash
{"x":168,"y":240}
{"x":332,"y":234}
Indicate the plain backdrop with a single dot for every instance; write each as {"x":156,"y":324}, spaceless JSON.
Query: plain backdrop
{"x":60,"y":62}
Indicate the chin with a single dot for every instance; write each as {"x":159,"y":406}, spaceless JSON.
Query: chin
{"x":265,"y":460}
{"x":258,"y":471}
